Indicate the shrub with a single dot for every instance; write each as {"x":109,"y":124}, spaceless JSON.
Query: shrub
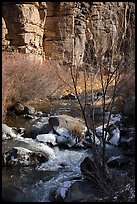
{"x":25,"y":77}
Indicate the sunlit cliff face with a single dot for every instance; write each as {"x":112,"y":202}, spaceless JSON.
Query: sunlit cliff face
{"x":78,"y":31}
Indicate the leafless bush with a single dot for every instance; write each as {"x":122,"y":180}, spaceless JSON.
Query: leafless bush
{"x":25,"y":78}
{"x":110,"y":73}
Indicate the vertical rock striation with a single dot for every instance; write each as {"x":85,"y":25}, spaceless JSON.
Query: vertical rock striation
{"x":51,"y":29}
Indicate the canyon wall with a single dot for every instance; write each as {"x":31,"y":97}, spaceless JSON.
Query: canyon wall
{"x":24,"y":28}
{"x":66,"y":31}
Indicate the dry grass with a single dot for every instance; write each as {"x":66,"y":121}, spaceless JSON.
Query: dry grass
{"x":25,"y":78}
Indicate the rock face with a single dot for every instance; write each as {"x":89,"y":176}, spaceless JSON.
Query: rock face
{"x":53,"y":29}
{"x":4,"y":33}
{"x":25,"y":25}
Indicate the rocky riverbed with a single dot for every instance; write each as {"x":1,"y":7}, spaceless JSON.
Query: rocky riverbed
{"x":48,"y":157}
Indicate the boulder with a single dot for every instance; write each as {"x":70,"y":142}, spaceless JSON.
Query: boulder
{"x":89,"y":139}
{"x":22,"y":156}
{"x":99,"y":131}
{"x":34,"y":131}
{"x":6,"y":137}
{"x":29,"y":110}
{"x":73,"y":191}
{"x":45,"y":125}
{"x":73,"y":124}
{"x":64,"y":137}
{"x":128,"y":146}
{"x":94,"y":170}
{"x":69,"y":97}
{"x":19,"y":108}
{"x":8,"y":132}
{"x":23,"y":109}
{"x":21,"y":131}
{"x":83,"y":191}
{"x":118,"y":162}
{"x":58,"y":136}
{"x":114,"y":135}
{"x":49,"y":138}
{"x":43,"y":129}
{"x":53,"y":121}
{"x":36,"y":146}
{"x":115,"y":117}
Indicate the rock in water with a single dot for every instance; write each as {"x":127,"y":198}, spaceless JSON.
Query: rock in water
{"x":21,"y":131}
{"x":115,"y":117}
{"x":90,"y":138}
{"x":6,"y":130}
{"x":64,"y":137}
{"x":69,"y":97}
{"x":73,"y":124}
{"x":53,"y":121}
{"x":118,"y":162}
{"x":40,"y":129}
{"x":37,"y":146}
{"x":114,"y":133}
{"x":18,"y":108}
{"x":94,"y":169}
{"x":99,"y":133}
{"x":28,"y":109}
{"x":61,"y":192}
{"x":47,"y":138}
{"x":22,"y":156}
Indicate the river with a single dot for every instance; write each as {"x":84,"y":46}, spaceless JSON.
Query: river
{"x":42,"y":182}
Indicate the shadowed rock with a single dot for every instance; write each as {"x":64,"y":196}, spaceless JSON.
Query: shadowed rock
{"x":94,"y":170}
{"x":118,"y":162}
{"x":69,"y":97}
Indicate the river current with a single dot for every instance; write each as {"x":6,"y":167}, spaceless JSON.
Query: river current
{"x":42,"y":182}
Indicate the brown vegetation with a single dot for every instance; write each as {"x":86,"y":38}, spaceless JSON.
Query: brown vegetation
{"x":125,"y":88}
{"x":25,"y":78}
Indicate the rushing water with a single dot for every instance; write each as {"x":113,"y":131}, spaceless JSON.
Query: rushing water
{"x":39,"y":183}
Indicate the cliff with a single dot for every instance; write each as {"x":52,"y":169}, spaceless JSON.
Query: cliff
{"x":50,"y":29}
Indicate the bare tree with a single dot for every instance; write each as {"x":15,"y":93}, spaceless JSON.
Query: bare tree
{"x":109,"y":75}
{"x":108,"y":80}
